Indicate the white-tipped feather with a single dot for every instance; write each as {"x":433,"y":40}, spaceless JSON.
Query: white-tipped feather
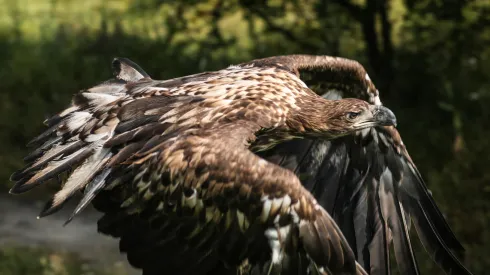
{"x":55,"y":164}
{"x":68,"y":111}
{"x":76,"y":120}
{"x":95,"y":137}
{"x":96,"y":100}
{"x":274,"y":243}
{"x":170,"y":115}
{"x":90,"y":191}
{"x":266,"y":208}
{"x":117,"y":89}
{"x":83,"y":174}
{"x":57,"y":149}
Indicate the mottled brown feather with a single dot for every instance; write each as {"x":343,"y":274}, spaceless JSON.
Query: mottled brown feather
{"x":179,"y":149}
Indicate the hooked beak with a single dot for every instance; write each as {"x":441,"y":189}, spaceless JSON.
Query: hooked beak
{"x":383,"y":116}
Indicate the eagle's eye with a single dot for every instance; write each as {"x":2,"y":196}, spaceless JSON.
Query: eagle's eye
{"x":353,"y":115}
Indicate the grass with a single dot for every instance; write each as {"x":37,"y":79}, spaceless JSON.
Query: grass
{"x":16,"y":260}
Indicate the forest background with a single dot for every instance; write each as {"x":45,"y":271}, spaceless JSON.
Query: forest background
{"x":429,"y":58}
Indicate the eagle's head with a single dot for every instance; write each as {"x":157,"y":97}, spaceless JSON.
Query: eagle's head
{"x":335,"y":118}
{"x":349,"y":115}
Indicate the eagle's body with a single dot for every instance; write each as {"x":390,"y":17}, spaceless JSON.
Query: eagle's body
{"x":172,"y":165}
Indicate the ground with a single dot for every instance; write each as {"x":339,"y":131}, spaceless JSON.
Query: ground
{"x":45,"y":244}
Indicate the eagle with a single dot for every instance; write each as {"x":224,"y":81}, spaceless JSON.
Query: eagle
{"x":204,"y":174}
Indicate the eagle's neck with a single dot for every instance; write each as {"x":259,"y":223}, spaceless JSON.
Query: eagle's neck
{"x":311,"y":117}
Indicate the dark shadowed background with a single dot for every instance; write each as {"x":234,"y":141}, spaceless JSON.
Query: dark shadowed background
{"x":429,"y":58}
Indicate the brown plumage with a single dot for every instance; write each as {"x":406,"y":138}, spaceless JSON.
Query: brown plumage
{"x":170,"y":164}
{"x":367,"y":181}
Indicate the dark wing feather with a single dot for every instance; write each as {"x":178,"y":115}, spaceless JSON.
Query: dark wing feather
{"x":372,"y":188}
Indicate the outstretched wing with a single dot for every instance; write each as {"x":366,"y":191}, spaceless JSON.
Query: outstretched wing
{"x":367,"y":181}
{"x":77,"y":137}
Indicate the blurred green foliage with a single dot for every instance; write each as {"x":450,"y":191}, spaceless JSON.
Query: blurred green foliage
{"x":30,"y":261}
{"x":430,"y":59}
